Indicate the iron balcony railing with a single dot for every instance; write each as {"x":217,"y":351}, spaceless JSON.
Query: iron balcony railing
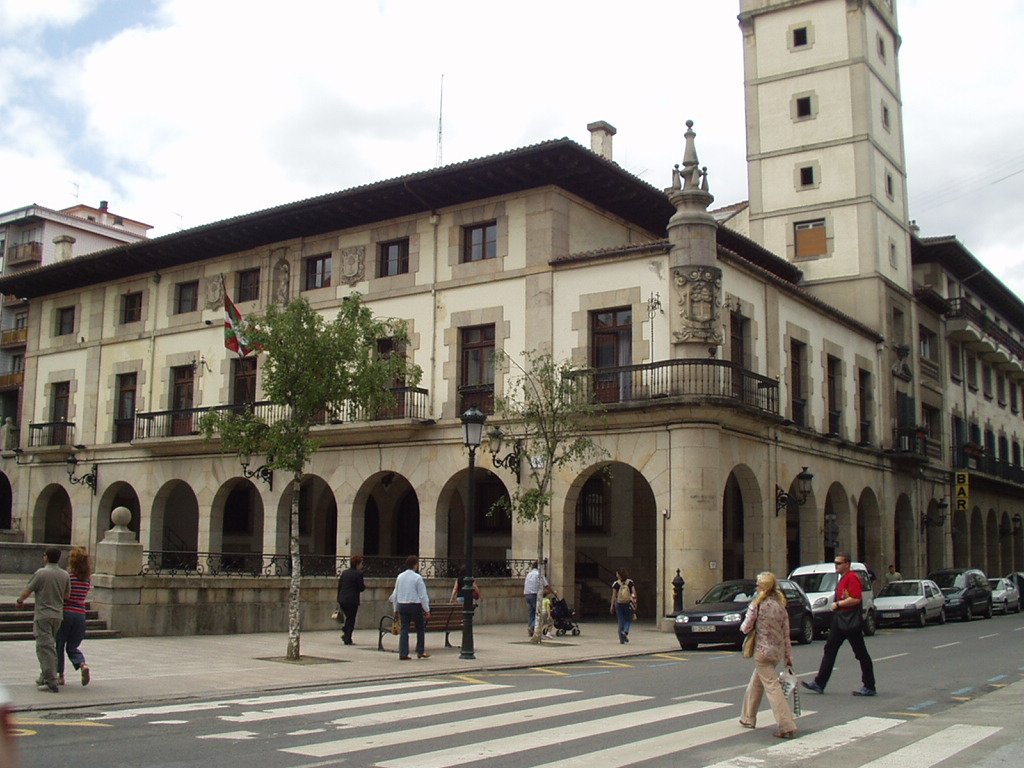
{"x":968,"y":457}
{"x":914,"y":442}
{"x":257,"y":565}
{"x":963,"y":309}
{"x":410,"y":403}
{"x":686,"y":378}
{"x":51,"y":433}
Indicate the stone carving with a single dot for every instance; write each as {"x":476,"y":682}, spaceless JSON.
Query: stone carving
{"x":698,"y":289}
{"x":352,"y":264}
{"x":282,"y":280}
{"x":215,"y":292}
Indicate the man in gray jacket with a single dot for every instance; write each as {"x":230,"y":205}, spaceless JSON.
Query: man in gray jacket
{"x":51,"y":585}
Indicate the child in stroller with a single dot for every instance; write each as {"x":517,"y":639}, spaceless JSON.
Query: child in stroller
{"x":562,"y":616}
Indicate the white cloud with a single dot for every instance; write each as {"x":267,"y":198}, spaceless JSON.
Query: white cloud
{"x":20,"y":16}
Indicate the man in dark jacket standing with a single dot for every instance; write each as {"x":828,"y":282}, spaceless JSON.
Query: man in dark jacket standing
{"x":350,"y":584}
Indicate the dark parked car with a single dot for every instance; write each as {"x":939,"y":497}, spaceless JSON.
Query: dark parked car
{"x":717,"y":615}
{"x":1017,"y":578}
{"x":966,"y":591}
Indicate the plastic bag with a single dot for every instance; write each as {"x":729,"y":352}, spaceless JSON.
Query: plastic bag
{"x":790,"y":689}
{"x":336,"y":614}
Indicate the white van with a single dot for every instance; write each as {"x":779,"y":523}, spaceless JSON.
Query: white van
{"x":819,"y":582}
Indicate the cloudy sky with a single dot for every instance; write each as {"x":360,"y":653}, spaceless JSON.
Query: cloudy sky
{"x":182,"y":112}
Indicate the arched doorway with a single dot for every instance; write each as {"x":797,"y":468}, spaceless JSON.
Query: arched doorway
{"x":934,"y":538}
{"x":905,"y":538}
{"x":961,"y":540}
{"x":318,"y":525}
{"x":386,"y":517}
{"x":733,"y":565}
{"x":838,"y":531}
{"x":977,"y":559}
{"x":869,"y":529}
{"x":492,"y":523}
{"x":803,"y":531}
{"x":991,"y":561}
{"x":6,"y":504}
{"x":1005,"y":546}
{"x":236,"y":526}
{"x":52,"y":516}
{"x":175,"y":525}
{"x":118,"y":494}
{"x":614,"y":525}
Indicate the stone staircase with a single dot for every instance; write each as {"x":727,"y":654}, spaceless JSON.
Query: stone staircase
{"x":16,"y":624}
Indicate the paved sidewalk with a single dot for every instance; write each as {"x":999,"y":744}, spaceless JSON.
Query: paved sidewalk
{"x":135,"y":669}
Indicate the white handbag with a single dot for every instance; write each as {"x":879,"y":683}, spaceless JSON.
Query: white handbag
{"x":790,"y":689}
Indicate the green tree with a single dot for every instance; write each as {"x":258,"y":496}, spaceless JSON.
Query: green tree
{"x":311,"y":367}
{"x":548,"y":412}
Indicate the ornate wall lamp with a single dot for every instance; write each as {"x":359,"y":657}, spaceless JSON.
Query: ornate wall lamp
{"x":263,"y":472}
{"x":89,"y":479}
{"x":512,"y":462}
{"x":782,"y":498}
{"x":936,"y":518}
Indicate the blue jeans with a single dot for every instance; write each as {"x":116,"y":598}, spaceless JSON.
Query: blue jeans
{"x":624,"y":612}
{"x":531,"y":610}
{"x":411,"y":612}
{"x":69,"y":637}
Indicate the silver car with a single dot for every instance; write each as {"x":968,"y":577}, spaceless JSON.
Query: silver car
{"x":911,"y":601}
{"x":1005,"y":597}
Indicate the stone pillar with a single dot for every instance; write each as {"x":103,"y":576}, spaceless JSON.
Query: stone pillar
{"x":63,"y":244}
{"x":119,"y":554}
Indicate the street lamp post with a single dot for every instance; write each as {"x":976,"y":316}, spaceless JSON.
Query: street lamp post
{"x":472,"y":432}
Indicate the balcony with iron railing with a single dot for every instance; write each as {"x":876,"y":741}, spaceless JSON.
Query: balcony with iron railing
{"x":410,"y":403}
{"x":686,"y":379}
{"x":24,"y":253}
{"x":915,"y":444}
{"x":975,"y":458}
{"x":51,"y":433}
{"x":967,"y":322}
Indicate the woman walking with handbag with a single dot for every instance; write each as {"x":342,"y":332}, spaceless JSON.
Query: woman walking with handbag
{"x":768,"y":622}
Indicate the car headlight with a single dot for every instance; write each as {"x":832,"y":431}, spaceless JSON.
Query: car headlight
{"x":820,"y":602}
{"x":683,"y":619}
{"x":732,"y":617}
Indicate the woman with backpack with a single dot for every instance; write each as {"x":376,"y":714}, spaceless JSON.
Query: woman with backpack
{"x":623,"y":602}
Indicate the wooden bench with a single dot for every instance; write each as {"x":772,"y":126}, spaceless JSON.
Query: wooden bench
{"x":445,"y":617}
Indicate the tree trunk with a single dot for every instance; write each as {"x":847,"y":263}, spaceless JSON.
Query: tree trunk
{"x":538,"y":631}
{"x":294,"y":608}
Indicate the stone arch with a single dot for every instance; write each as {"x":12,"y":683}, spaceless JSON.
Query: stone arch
{"x":935,"y":536}
{"x":961,"y":539}
{"x":318,"y":524}
{"x":6,"y":503}
{"x":905,"y":537}
{"x":492,"y":530}
{"x":52,"y":517}
{"x":869,"y":547}
{"x":803,"y":529}
{"x":838,"y":531}
{"x":625,"y":536}
{"x":1005,"y":545}
{"x":991,"y":562}
{"x":118,"y":494}
{"x":743,"y":550}
{"x":386,"y":517}
{"x":236,"y":525}
{"x":977,"y":538}
{"x":175,"y":525}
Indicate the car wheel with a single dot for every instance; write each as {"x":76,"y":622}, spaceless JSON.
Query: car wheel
{"x":988,"y":610}
{"x":870,"y":624}
{"x":687,"y":646}
{"x":921,"y":620}
{"x":942,"y":615}
{"x":966,"y":614}
{"x":806,"y":631}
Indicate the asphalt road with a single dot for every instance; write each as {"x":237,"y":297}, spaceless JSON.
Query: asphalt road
{"x":659,"y":710}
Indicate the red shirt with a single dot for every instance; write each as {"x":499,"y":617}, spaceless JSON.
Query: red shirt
{"x":849,"y":586}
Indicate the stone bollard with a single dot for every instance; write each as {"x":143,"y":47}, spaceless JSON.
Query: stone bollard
{"x":677,"y":592}
{"x":119,"y":554}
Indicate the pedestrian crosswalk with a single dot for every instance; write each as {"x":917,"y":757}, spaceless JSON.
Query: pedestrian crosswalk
{"x":443,"y":723}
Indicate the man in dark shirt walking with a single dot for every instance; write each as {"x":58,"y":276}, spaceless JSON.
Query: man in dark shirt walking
{"x":51,"y":585}
{"x":350,"y":584}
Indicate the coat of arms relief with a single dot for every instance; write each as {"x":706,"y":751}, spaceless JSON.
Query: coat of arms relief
{"x":697,"y":301}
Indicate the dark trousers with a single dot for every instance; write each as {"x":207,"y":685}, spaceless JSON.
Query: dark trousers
{"x":69,"y":637}
{"x":835,"y":639}
{"x":408,"y":613}
{"x":349,"y":610}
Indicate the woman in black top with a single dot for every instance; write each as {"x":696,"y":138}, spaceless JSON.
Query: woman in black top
{"x":350,"y":584}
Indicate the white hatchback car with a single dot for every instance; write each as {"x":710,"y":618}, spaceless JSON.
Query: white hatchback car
{"x":1005,"y":597}
{"x":819,"y":582}
{"x":911,"y":601}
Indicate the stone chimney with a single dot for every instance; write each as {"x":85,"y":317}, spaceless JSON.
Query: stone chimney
{"x":62,"y":248}
{"x":693,"y":258}
{"x":601,"y":138}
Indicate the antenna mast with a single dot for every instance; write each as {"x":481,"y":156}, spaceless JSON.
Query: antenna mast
{"x":440,"y":123}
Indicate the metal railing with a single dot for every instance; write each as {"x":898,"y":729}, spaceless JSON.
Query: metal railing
{"x":411,"y":403}
{"x":257,"y":565}
{"x":51,"y":433}
{"x":914,"y":443}
{"x":965,"y":458}
{"x":963,"y":309}
{"x":686,"y":378}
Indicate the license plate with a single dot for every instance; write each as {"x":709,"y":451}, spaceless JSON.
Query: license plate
{"x":890,"y":615}
{"x":703,"y":628}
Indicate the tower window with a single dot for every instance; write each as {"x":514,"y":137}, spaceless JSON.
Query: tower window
{"x":809,"y":239}
{"x":890,"y":186}
{"x":886,"y":119}
{"x":807,"y":176}
{"x":799,"y":37}
{"x":881,"y":48}
{"x":804,"y":107}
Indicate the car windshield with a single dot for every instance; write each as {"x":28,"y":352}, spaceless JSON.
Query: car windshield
{"x":948,"y":580}
{"x":996,"y":584}
{"x":730,"y":592}
{"x":817,"y":582}
{"x":901,"y":589}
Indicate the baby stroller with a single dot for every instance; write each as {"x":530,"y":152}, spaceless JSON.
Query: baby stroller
{"x":562,"y":617}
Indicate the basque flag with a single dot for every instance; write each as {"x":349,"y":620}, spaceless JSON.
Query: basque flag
{"x":233,"y":337}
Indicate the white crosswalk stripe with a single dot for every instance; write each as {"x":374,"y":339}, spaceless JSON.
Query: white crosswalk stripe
{"x":935,"y":748}
{"x":483,"y":750}
{"x":477,"y":724}
{"x":356,"y":703}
